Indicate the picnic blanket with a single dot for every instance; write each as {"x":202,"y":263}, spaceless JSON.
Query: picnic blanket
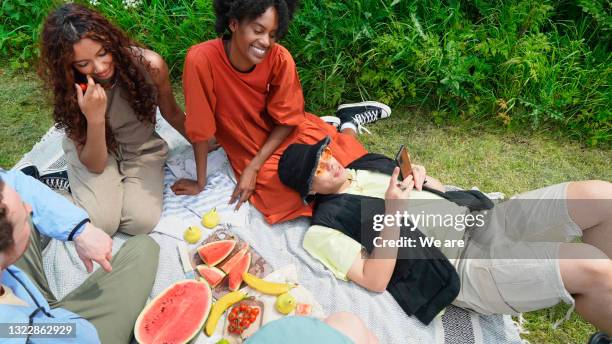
{"x":280,"y":245}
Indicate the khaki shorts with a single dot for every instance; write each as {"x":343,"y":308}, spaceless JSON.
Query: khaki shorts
{"x":511,"y":265}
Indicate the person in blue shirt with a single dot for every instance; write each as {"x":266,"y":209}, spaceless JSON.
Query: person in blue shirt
{"x":101,"y":310}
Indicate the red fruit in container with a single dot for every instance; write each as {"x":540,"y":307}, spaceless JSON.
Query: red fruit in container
{"x":303,"y":309}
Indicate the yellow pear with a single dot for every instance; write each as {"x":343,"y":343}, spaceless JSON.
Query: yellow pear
{"x":285,"y":303}
{"x":210,"y":219}
{"x":192,"y":234}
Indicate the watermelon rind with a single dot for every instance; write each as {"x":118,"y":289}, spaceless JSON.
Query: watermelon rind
{"x":235,"y":276}
{"x":215,"y":252}
{"x":211,"y":274}
{"x":171,"y":320}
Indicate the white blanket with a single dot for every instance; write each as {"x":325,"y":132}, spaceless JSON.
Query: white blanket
{"x":280,"y":245}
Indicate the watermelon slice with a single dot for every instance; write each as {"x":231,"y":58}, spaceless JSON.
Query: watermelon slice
{"x":303,"y":309}
{"x":211,"y":274}
{"x":230,"y":263}
{"x":214,"y":252}
{"x":176,"y":315}
{"x":235,"y":275}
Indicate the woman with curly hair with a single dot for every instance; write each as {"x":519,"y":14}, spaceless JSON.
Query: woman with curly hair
{"x":106,"y":89}
{"x":244,"y":89}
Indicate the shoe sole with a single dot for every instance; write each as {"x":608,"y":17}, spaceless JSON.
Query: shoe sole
{"x":370,"y":103}
{"x":333,"y":120}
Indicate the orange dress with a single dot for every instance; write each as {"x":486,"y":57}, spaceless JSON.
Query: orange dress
{"x":241,"y":109}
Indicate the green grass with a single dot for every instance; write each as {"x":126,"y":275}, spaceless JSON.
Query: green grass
{"x":523,"y":62}
{"x":464,"y":155}
{"x":493,"y":160}
{"x":24,"y":115}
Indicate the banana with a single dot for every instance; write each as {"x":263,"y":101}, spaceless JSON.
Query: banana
{"x":219,"y":308}
{"x":266,"y":287}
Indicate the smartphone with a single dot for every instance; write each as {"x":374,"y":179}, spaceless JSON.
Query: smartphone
{"x":402,"y":158}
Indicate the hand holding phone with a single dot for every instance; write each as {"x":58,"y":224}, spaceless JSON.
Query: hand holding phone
{"x":402,"y":158}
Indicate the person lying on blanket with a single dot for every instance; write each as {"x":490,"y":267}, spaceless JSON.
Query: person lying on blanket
{"x":105,"y":307}
{"x":508,"y":276}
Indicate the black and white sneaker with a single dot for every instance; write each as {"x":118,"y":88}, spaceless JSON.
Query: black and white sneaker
{"x":332,"y":120}
{"x":55,"y":179}
{"x":355,"y":115}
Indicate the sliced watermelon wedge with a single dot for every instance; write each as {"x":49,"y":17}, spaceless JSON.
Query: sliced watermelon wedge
{"x":211,"y":274}
{"x":235,"y":275}
{"x":214,"y":252}
{"x":230,"y":263}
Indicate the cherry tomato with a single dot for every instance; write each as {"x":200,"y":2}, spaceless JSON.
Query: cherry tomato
{"x":232,"y":316}
{"x":243,"y":307}
{"x":244,"y":323}
{"x":252,"y":318}
{"x":83,"y":87}
{"x":255,"y":311}
{"x":231,"y":328}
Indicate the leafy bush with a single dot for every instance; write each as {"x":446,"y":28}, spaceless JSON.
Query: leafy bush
{"x":524,"y":62}
{"x":19,"y":29}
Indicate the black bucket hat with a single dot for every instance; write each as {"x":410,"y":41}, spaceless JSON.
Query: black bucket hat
{"x":297,"y":165}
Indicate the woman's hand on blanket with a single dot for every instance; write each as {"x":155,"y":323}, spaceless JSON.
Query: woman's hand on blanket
{"x":245,"y":187}
{"x":92,"y":102}
{"x":93,"y":244}
{"x":186,"y":187}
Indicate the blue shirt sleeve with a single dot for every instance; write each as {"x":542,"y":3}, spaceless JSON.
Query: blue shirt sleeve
{"x":52,"y":214}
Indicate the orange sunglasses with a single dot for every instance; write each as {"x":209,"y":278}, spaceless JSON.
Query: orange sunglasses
{"x":325,"y":155}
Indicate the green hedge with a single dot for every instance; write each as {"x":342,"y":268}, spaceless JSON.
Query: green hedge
{"x":537,"y":63}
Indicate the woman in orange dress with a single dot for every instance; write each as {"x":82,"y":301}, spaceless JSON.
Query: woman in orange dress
{"x":244,"y":89}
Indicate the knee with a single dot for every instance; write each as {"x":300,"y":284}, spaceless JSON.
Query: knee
{"x":108,"y":222}
{"x":605,"y":273}
{"x":599,"y":273}
{"x":590,"y":200}
{"x":145,"y":252}
{"x":142,"y":222}
{"x":144,"y":245}
{"x":595,"y":189}
{"x":103,"y":212}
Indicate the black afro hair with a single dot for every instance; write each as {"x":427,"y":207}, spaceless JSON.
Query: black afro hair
{"x":251,"y":9}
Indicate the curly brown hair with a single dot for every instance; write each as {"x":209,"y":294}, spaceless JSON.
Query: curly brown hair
{"x":64,"y":27}
{"x":6,"y":228}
